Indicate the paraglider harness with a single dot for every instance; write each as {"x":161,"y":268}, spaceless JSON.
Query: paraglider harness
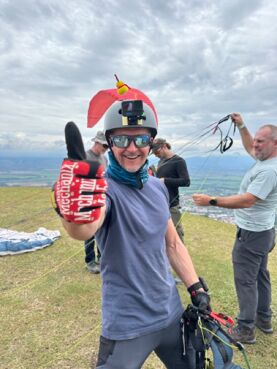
{"x":204,"y":330}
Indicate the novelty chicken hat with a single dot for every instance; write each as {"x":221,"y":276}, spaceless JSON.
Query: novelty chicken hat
{"x":101,"y":102}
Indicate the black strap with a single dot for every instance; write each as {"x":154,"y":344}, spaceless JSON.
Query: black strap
{"x":194,"y":287}
{"x":200,"y":360}
{"x":226,"y":142}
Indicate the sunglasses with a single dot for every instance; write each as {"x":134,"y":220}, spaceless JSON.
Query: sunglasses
{"x":123,"y":141}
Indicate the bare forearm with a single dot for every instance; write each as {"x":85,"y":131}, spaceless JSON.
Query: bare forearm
{"x":181,"y":262}
{"x":234,"y":202}
{"x":247,"y":140}
{"x":245,"y":200}
{"x":179,"y":257}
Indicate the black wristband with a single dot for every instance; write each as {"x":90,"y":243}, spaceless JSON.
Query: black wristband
{"x":194,"y":287}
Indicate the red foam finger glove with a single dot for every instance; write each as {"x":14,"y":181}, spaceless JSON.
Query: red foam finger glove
{"x":80,"y":191}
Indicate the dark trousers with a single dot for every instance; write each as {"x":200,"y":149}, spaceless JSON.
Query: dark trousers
{"x":252,"y":279}
{"x":132,"y":353}
{"x":89,"y":250}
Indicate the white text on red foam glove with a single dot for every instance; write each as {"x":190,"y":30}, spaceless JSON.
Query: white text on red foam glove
{"x":80,"y":191}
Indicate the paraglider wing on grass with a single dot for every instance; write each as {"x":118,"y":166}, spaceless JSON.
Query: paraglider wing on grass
{"x":14,"y":242}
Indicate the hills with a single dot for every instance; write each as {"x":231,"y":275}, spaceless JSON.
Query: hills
{"x":33,"y":163}
{"x":223,"y":164}
{"x":43,"y":170}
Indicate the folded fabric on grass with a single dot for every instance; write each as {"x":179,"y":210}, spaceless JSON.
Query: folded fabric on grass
{"x":14,"y":242}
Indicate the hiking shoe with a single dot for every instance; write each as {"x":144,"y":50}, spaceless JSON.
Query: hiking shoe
{"x":264,"y":325}
{"x":243,"y":334}
{"x":93,"y":267}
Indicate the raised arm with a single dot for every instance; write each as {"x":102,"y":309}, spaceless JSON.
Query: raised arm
{"x":246,"y":138}
{"x":79,"y":194}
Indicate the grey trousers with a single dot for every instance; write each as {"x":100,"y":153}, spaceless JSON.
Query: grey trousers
{"x":252,"y":279}
{"x":131,"y":354}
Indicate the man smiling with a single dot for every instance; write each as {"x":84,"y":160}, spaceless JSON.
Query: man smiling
{"x":141,"y":307}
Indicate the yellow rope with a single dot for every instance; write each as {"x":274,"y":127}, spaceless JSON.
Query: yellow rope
{"x":202,"y":328}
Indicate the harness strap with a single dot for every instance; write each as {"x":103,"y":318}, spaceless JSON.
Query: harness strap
{"x":222,"y":350}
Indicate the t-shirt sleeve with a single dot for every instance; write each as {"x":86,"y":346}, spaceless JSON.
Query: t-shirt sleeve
{"x":264,"y":182}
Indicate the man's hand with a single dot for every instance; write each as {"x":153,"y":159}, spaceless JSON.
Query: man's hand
{"x":201,"y":300}
{"x":237,"y":120}
{"x":79,"y":193}
{"x":199,"y":295}
{"x":201,"y":199}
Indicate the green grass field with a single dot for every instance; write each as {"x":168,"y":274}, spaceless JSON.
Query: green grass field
{"x":50,"y":304}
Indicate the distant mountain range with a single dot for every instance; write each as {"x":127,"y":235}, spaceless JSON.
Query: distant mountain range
{"x":29,"y":163}
{"x":220,"y":164}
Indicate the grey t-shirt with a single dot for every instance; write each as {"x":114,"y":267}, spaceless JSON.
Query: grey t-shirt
{"x":260,"y":181}
{"x":139,"y":295}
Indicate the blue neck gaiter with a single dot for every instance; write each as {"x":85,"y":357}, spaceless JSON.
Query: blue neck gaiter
{"x":119,"y":174}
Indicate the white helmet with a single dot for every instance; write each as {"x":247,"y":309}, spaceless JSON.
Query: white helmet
{"x":130,"y":114}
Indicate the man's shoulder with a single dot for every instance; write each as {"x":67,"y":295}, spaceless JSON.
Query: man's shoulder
{"x":177,"y":159}
{"x":172,"y":159}
{"x":155,"y":180}
{"x":156,"y":185}
{"x":267,"y":166}
{"x":263,"y":174}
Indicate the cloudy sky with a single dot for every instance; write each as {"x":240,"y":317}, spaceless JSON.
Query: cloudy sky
{"x":196,"y":60}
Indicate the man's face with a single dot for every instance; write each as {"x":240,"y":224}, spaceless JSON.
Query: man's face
{"x":131,"y":158}
{"x":264,"y":146}
{"x":100,"y":149}
{"x":157,"y":152}
{"x":161,"y":151}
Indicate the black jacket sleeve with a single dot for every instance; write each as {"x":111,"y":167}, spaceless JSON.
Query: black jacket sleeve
{"x":182,"y":176}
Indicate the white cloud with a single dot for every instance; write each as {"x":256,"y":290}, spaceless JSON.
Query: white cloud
{"x":197,"y":61}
